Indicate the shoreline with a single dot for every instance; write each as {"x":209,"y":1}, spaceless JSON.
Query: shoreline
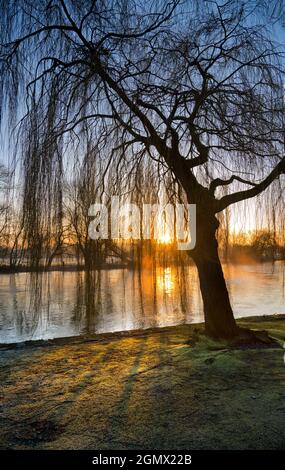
{"x":116,"y":335}
{"x":60,"y":268}
{"x":5,"y":269}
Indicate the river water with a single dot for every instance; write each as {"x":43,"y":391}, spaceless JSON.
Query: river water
{"x":61,"y":304}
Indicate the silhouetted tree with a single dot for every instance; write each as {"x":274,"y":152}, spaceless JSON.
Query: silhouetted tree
{"x":196,"y":86}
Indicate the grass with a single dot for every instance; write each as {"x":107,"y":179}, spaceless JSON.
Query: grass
{"x":169,"y":388}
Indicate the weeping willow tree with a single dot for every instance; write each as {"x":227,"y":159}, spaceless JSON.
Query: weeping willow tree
{"x":195,"y":86}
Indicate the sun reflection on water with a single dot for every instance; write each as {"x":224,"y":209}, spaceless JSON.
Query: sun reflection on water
{"x":166,"y":280}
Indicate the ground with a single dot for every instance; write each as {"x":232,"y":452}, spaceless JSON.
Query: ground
{"x":160,"y":389}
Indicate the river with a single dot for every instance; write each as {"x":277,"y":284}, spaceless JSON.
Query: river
{"x":61,"y":304}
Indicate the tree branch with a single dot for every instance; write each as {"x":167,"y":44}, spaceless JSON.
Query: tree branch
{"x":152,"y":27}
{"x":219,"y":182}
{"x":258,"y":188}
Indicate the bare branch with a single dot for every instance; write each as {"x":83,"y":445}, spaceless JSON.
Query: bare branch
{"x":219,"y":182}
{"x":258,"y":188}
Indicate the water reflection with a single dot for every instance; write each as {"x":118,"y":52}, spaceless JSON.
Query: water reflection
{"x":59,"y":304}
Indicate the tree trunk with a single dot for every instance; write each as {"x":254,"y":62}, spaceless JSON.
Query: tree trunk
{"x":219,"y":319}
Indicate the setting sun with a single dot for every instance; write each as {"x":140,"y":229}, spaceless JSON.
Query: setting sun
{"x":165,"y":238}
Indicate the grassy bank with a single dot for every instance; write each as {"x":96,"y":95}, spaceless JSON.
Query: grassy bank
{"x":168,"y":388}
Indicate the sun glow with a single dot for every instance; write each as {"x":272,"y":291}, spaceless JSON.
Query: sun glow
{"x":165,"y":238}
{"x":164,"y":232}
